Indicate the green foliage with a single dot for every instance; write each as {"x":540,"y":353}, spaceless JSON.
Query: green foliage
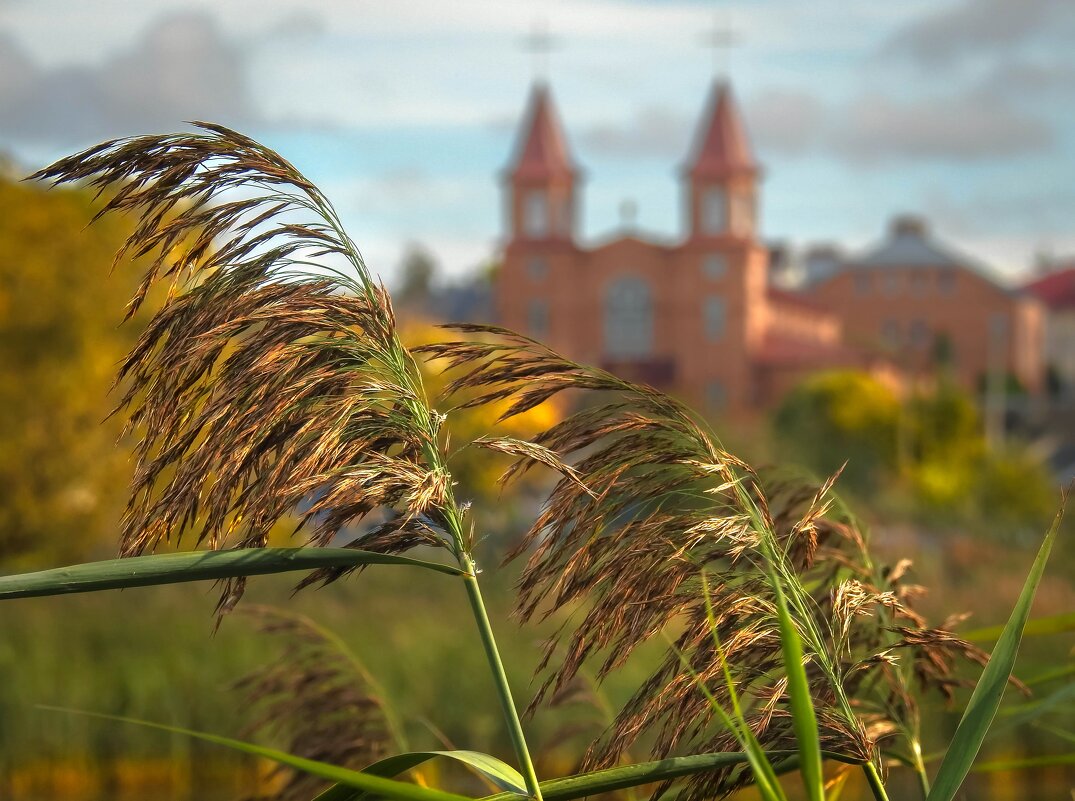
{"x":839,"y":417}
{"x":924,"y":458}
{"x":989,"y":690}
{"x":62,"y":477}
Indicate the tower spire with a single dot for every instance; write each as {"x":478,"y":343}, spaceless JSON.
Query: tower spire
{"x":541,"y":150}
{"x":541,"y":176}
{"x":721,"y":145}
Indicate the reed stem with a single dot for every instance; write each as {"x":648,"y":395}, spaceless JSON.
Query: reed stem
{"x":920,"y":771}
{"x":873,"y":778}
{"x":507,"y":703}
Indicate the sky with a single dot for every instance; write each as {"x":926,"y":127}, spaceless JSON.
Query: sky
{"x":405,"y":112}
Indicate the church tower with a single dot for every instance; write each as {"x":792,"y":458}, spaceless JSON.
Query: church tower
{"x":540,"y":257}
{"x":541,"y":178}
{"x":725,"y":270}
{"x":721,"y":173}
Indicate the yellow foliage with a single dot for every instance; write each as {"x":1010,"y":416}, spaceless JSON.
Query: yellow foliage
{"x":63,"y":478}
{"x":477,"y":470}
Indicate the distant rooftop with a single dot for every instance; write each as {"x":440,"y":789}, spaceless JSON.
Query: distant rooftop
{"x":910,"y":244}
{"x":1056,"y":290}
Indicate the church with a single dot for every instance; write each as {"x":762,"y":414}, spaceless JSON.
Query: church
{"x":700,"y":317}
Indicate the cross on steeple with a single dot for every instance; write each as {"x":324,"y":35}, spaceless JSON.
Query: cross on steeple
{"x":539,"y":43}
{"x":721,"y":39}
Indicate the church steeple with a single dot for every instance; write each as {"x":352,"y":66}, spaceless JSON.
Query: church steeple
{"x":541,"y":176}
{"x":721,"y":147}
{"x":721,"y":171}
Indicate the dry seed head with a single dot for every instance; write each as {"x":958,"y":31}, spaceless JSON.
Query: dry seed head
{"x":647,"y":501}
{"x":270,"y":378}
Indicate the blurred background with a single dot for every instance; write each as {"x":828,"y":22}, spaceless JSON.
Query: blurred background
{"x":844,"y":231}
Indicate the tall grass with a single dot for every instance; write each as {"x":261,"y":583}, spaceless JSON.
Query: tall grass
{"x":272,"y":379}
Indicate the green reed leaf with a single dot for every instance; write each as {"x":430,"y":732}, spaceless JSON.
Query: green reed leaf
{"x":498,"y":772}
{"x":174,"y":568}
{"x":988,"y":693}
{"x":359,"y":780}
{"x":764,"y":775}
{"x":624,"y":777}
{"x":803,"y":718}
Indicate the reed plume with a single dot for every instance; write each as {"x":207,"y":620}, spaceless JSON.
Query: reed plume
{"x":319,"y":699}
{"x":650,"y":515}
{"x":271,"y":379}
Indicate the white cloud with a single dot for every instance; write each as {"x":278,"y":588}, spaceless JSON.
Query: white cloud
{"x":969,"y":127}
{"x":180,"y":68}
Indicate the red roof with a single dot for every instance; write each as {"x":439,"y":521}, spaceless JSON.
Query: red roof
{"x":779,"y":350}
{"x":541,"y":152}
{"x":784,"y":296}
{"x":721,"y":146}
{"x":1056,"y":290}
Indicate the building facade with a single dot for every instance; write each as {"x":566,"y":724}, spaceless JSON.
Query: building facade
{"x":698,"y":316}
{"x":1056,"y":292}
{"x":931,"y":308}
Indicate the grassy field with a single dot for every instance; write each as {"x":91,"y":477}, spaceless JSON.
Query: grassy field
{"x":152,"y":654}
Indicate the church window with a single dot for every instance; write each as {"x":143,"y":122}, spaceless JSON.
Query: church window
{"x":628,"y":318}
{"x":716,"y":397}
{"x":919,"y":334}
{"x":537,"y":268}
{"x":714,"y":211}
{"x":998,"y":326}
{"x":920,"y":283}
{"x":715,"y":313}
{"x":946,"y":280}
{"x":890,"y":333}
{"x":863,"y":283}
{"x":536,"y":214}
{"x":742,"y":213}
{"x":891,"y":283}
{"x":537,"y":318}
{"x":714,"y":265}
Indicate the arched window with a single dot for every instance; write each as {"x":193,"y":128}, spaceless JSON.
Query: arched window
{"x":715,"y":314}
{"x":628,"y":318}
{"x":714,"y":265}
{"x":742,"y":214}
{"x":537,"y":318}
{"x":536,"y":214}
{"x":714,"y":210}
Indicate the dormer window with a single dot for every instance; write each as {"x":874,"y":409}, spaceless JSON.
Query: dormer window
{"x":536,"y":214}
{"x":714,"y":210}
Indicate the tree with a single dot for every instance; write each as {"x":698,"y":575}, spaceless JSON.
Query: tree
{"x":925,"y":456}
{"x":417,"y":271}
{"x":837,"y":417}
{"x":62,"y":474}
